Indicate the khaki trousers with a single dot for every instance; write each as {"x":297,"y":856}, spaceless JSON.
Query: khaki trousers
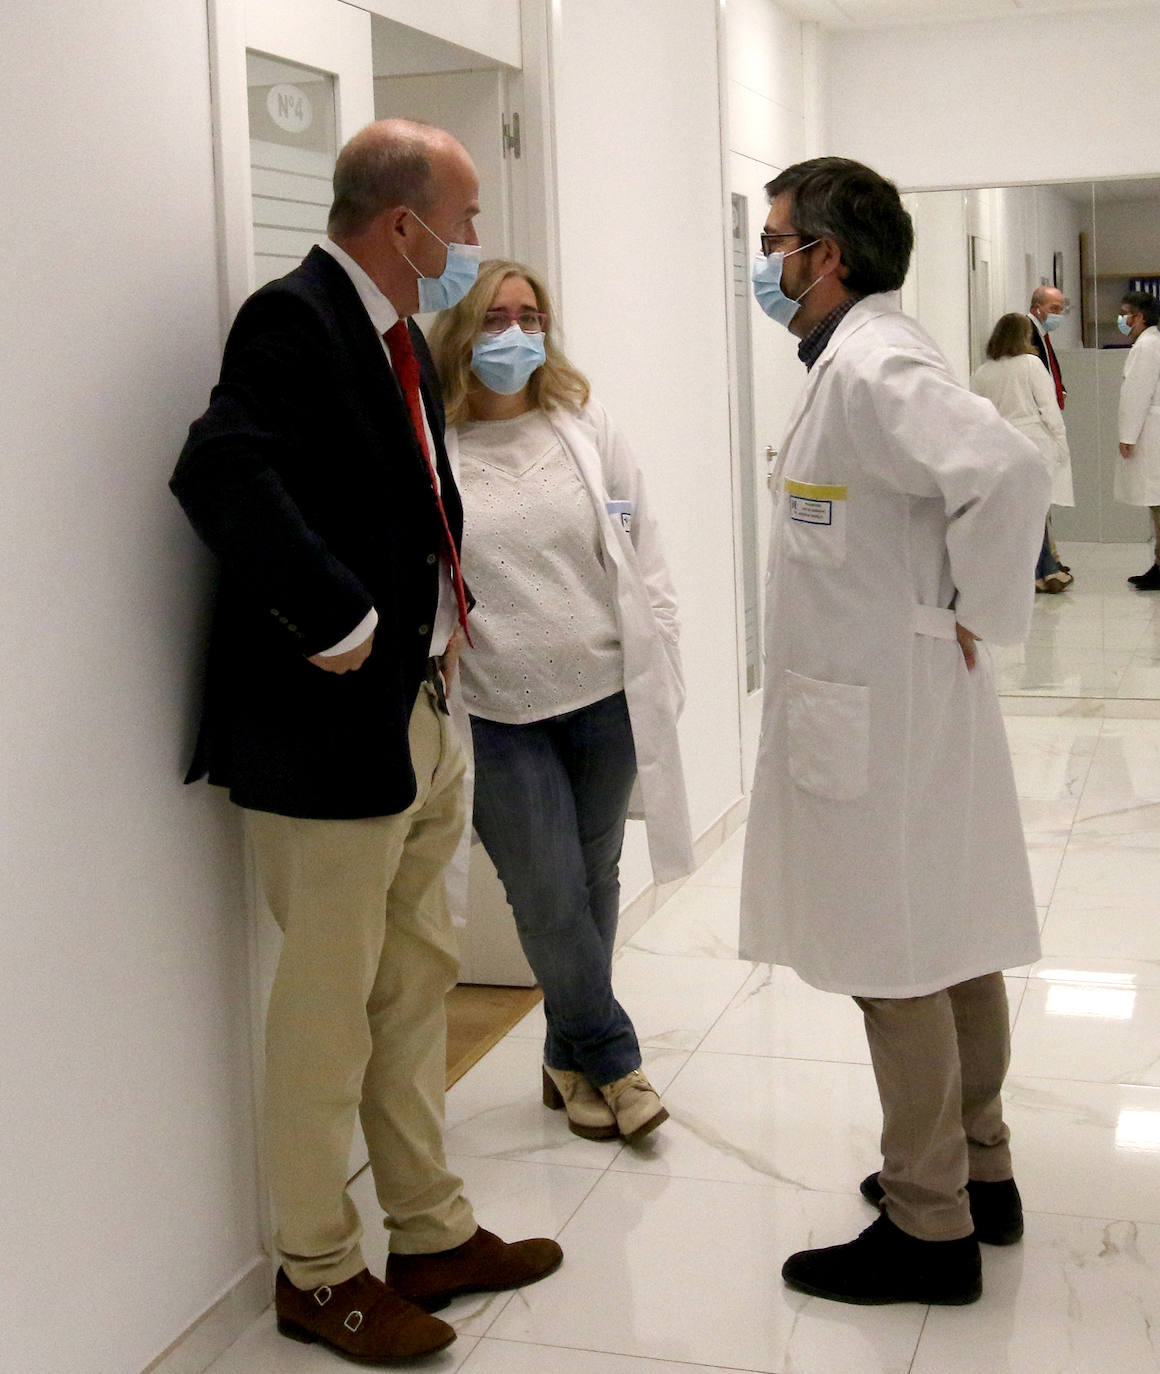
{"x":357,"y":1020}
{"x":940,"y":1062}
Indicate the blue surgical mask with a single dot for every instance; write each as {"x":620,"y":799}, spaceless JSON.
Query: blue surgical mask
{"x":767,"y":285}
{"x":1052,"y":322}
{"x":456,"y":279}
{"x":504,"y":362}
{"x":1122,"y":324}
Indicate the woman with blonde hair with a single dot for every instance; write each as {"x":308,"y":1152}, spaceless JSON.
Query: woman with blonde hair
{"x":574,"y":683}
{"x":1015,"y":381}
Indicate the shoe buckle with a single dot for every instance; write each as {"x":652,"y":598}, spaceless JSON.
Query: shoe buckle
{"x":353,"y":1321}
{"x":322,"y":1295}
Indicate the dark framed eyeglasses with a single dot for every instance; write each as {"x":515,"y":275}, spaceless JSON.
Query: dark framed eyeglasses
{"x":769,"y":241}
{"x":530,"y":321}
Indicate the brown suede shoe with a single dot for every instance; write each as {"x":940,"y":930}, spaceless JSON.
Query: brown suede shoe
{"x":483,"y":1264}
{"x":361,"y":1319}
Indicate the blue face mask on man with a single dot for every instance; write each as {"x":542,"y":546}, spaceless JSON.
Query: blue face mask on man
{"x":1122,"y":324}
{"x":504,"y":362}
{"x":1051,"y":323}
{"x":767,"y":285}
{"x":456,"y":279}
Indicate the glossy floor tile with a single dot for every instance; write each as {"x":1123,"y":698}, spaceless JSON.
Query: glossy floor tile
{"x":673,"y":1248}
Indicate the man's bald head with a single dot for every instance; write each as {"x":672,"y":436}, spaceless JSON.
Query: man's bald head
{"x":1046,"y":300}
{"x":391,"y":162}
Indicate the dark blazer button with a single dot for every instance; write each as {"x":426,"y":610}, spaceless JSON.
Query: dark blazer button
{"x":424,"y":629}
{"x":432,"y":558}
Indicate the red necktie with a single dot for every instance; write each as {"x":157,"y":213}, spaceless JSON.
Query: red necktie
{"x":1053,"y":367}
{"x":406,"y":367}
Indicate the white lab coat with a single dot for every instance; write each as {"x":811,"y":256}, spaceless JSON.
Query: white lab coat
{"x":646,"y":613}
{"x":884,"y":854}
{"x":1138,"y":477}
{"x":1022,"y":391}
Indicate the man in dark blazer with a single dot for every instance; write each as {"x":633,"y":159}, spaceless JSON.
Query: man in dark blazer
{"x":1046,"y":315}
{"x":319,"y":478}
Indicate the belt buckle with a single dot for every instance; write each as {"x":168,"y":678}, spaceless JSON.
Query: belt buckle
{"x":435,"y":678}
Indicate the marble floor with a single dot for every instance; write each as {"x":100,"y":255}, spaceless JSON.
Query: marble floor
{"x":673,"y":1248}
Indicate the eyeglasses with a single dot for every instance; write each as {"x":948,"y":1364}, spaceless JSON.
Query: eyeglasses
{"x":769,"y":241}
{"x":530,"y":321}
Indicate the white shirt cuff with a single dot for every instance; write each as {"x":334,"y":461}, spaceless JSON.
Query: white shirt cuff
{"x":356,"y":636}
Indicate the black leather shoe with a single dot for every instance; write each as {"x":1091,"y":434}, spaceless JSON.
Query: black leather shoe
{"x":1149,"y":581}
{"x":996,"y":1208}
{"x":885,"y":1264}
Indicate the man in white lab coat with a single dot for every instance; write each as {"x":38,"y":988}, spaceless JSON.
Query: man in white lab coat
{"x":884,"y":855}
{"x":1138,"y":471}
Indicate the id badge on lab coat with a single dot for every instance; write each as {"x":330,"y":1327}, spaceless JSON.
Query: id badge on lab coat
{"x":815,"y":523}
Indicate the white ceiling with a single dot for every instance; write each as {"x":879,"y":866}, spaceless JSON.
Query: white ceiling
{"x":868,"y":14}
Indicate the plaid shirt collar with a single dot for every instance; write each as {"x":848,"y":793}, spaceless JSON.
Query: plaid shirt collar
{"x":813,"y":345}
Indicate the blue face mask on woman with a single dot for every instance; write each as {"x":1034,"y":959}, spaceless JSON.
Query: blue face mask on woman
{"x":1122,"y":324}
{"x":767,"y":285}
{"x":504,"y":362}
{"x":454,"y":282}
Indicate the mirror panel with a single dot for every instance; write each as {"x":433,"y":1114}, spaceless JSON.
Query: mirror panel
{"x":979,"y":253}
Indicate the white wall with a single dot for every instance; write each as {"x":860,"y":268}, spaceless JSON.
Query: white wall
{"x":128,"y":1190}
{"x":642,"y":244}
{"x":992,"y":102}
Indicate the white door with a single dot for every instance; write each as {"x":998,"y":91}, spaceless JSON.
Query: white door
{"x":769,"y":378}
{"x":293,"y":81}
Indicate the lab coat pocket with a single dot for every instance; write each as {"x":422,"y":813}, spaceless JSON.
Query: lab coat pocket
{"x":828,"y":732}
{"x":815,"y":523}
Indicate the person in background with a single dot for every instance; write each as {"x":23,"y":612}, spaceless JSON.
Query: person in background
{"x":574,"y":683}
{"x":1021,"y":391}
{"x":1138,"y":471}
{"x":1048,"y":308}
{"x":884,"y":855}
{"x":319,"y":478}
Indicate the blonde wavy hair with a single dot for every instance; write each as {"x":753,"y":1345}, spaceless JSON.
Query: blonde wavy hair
{"x":556,"y":382}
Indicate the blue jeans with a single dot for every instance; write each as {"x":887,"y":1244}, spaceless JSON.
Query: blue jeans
{"x":551,"y":800}
{"x":1048,"y":563}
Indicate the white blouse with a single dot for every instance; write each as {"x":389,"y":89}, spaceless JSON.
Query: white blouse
{"x":544,"y":621}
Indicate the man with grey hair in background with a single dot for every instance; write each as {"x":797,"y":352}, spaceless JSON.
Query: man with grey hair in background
{"x":318,"y":477}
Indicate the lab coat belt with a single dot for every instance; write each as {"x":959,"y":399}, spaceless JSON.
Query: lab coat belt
{"x":937,"y":621}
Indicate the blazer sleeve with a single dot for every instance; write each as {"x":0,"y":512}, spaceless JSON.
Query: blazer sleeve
{"x":231,"y":477}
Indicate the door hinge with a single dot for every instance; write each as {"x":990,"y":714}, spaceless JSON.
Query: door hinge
{"x":511,"y":136}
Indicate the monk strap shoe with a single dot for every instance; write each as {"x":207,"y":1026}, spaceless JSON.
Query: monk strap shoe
{"x":588,"y":1113}
{"x":635,"y":1105}
{"x":885,"y":1265}
{"x":360,"y":1319}
{"x":996,"y":1208}
{"x":483,"y":1264}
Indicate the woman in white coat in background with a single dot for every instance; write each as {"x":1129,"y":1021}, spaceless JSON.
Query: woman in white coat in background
{"x":574,"y":683}
{"x":1015,"y":381}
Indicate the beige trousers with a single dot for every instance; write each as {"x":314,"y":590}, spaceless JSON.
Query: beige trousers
{"x":357,"y":1020}
{"x":940,"y":1062}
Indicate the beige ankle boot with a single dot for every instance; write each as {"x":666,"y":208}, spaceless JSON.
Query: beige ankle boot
{"x":588,"y":1113}
{"x":635,"y":1104}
